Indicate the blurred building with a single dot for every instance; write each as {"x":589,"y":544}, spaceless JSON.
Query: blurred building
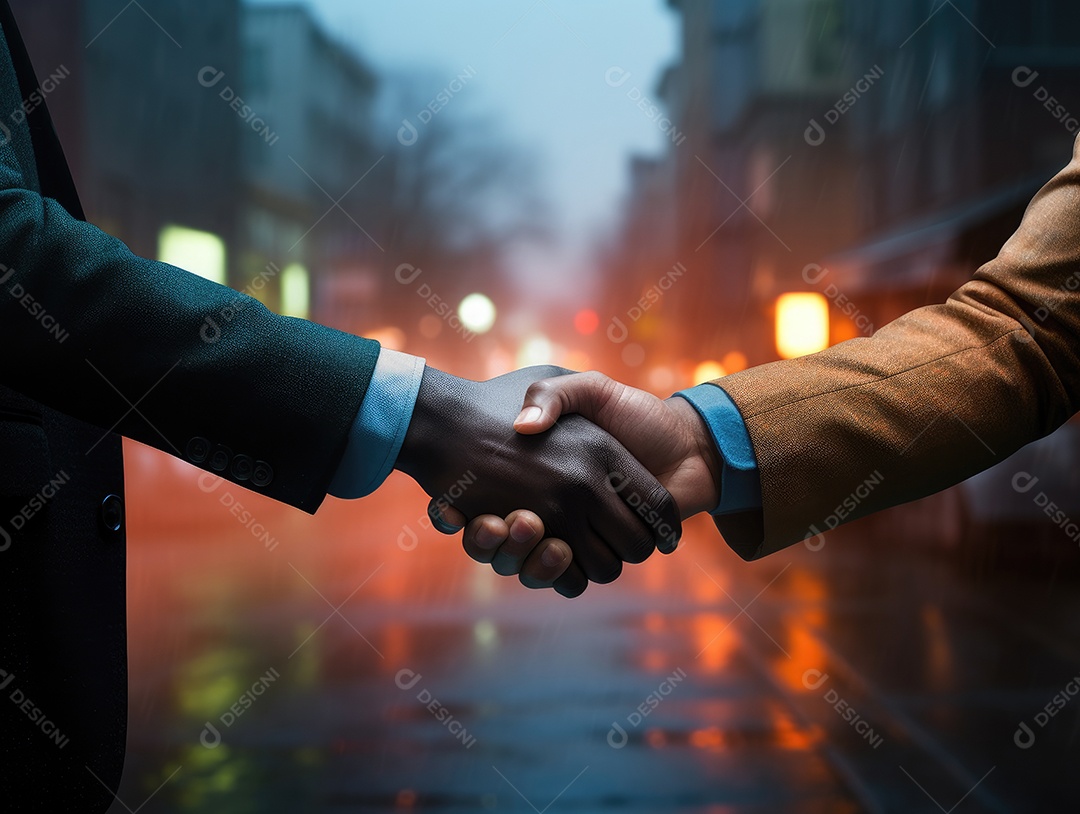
{"x":872,"y":153}
{"x":150,"y":149}
{"x":218,"y":136}
{"x":314,"y":98}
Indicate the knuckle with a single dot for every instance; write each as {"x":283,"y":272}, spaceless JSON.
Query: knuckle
{"x":539,"y":389}
{"x":639,"y":548}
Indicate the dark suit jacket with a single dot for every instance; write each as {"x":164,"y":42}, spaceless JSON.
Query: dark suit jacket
{"x":95,"y":341}
{"x":930,"y":399}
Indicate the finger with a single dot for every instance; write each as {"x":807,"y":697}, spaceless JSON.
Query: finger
{"x":548,"y":561}
{"x":547,"y":399}
{"x":526,"y":532}
{"x":598,"y":560}
{"x":653,"y":507}
{"x":572,"y":583}
{"x":444,"y":517}
{"x":483,"y":536}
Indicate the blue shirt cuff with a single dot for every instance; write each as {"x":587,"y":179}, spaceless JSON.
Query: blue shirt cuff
{"x":740,"y":484}
{"x":380,"y":426}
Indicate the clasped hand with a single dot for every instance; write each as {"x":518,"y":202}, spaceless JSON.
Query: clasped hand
{"x":560,"y":478}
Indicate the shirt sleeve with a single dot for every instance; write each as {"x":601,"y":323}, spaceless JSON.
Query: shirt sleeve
{"x":380,"y":426}
{"x":740,"y":484}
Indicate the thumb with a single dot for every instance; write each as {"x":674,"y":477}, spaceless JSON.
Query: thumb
{"x":444,"y":517}
{"x":548,"y":399}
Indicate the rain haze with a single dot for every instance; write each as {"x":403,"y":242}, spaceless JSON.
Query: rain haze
{"x":687,"y":195}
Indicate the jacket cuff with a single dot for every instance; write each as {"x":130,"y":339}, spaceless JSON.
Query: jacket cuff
{"x":380,"y":425}
{"x":740,"y":483}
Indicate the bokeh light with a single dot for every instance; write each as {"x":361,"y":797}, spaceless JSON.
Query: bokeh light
{"x":707,"y":371}
{"x":586,"y":321}
{"x":477,"y":313}
{"x":802,"y":324}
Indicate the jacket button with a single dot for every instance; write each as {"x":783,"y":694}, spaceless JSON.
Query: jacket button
{"x":111,"y":513}
{"x":263,"y":474}
{"x":197,"y":450}
{"x":243,"y":467}
{"x":220,"y":458}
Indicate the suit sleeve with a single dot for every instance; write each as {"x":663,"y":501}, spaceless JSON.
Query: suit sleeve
{"x":930,"y":399}
{"x":168,"y":358}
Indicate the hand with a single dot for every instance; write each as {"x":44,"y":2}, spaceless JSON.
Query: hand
{"x":582,"y":484}
{"x":515,"y":545}
{"x":667,"y":436}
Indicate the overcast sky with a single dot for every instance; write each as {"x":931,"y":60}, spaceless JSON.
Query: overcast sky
{"x":540,"y":68}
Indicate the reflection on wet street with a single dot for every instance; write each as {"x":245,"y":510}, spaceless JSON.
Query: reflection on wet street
{"x":355,"y":661}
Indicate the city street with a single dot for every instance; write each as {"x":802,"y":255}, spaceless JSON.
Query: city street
{"x":343,"y":664}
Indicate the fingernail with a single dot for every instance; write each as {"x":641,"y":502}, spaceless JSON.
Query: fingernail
{"x":486,"y":538}
{"x":520,"y":531}
{"x":553,"y":556}
{"x":529,"y":415}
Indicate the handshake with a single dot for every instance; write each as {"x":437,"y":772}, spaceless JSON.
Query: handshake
{"x":569,"y":475}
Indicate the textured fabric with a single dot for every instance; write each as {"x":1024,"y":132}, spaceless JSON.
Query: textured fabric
{"x":930,"y":399}
{"x":63,"y":644}
{"x":740,"y":489}
{"x":379,"y":429}
{"x":210,"y":370}
{"x":97,"y":340}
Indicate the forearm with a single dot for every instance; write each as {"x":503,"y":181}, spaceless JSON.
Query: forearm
{"x":194,"y":358}
{"x":930,"y":399}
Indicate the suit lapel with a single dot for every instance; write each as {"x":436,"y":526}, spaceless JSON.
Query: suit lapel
{"x":52,"y":168}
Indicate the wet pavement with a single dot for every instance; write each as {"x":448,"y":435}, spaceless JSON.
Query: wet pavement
{"x":353,"y":661}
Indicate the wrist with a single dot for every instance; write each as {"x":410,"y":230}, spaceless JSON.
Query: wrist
{"x":422,"y":446}
{"x":696,"y":487}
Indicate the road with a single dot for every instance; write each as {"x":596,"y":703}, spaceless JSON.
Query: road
{"x":281,"y":662}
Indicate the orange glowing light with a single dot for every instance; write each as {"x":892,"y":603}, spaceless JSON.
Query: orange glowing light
{"x":656,"y":738}
{"x":586,"y":321}
{"x":711,"y":738}
{"x":430,"y":326}
{"x":389,"y":337}
{"x":734,"y":362}
{"x":707,"y":371}
{"x":802,"y":324}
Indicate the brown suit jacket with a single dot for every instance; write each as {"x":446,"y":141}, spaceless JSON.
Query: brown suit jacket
{"x":930,"y":399}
